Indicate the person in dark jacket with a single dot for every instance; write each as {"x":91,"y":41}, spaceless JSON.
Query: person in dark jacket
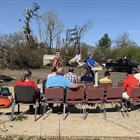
{"x":85,"y":77}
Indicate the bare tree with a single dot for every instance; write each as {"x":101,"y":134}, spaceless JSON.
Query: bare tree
{"x":79,"y":32}
{"x":14,"y":50}
{"x":29,"y":14}
{"x":12,"y":40}
{"x":53,"y":27}
{"x":38,"y":18}
{"x":123,"y":41}
{"x":86,"y":26}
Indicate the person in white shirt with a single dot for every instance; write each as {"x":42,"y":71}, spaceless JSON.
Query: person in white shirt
{"x":40,"y":87}
{"x":137,"y":74}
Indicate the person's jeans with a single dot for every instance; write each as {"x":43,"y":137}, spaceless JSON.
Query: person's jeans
{"x":31,"y":107}
{"x":37,"y":95}
{"x":90,"y":72}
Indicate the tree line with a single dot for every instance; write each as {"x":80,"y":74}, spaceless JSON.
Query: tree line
{"x":23,"y":49}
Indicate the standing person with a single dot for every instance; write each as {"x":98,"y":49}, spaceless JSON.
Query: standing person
{"x":25,"y":80}
{"x":106,"y":78}
{"x":60,"y":81}
{"x":129,"y":82}
{"x":71,"y":76}
{"x":89,"y":64}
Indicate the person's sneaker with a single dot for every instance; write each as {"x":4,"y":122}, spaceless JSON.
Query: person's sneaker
{"x":123,"y":109}
{"x":50,"y":107}
{"x":60,"y":111}
{"x":98,"y":109}
{"x":31,"y":111}
{"x":129,"y":109}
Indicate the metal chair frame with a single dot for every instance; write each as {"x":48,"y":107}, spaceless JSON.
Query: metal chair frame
{"x":75,"y":96}
{"x":25,"y":95}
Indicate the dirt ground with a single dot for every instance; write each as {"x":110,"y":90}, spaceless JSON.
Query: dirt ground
{"x":117,"y":126}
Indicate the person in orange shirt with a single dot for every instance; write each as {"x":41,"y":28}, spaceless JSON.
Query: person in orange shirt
{"x":129,"y":82}
{"x":25,"y":80}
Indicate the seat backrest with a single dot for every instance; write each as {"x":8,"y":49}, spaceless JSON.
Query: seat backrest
{"x":105,"y":85}
{"x":95,"y":93}
{"x":114,"y":92}
{"x":74,"y":93}
{"x":24,"y":94}
{"x":88,"y":84}
{"x":135,"y":92}
{"x":120,"y":84}
{"x":51,"y":93}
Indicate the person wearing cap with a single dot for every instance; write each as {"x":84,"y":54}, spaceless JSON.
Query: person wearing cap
{"x":71,"y":76}
{"x":25,"y":80}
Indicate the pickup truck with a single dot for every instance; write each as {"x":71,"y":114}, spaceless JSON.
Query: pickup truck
{"x":122,"y":64}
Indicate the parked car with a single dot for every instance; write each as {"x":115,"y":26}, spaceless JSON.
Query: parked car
{"x":122,"y":64}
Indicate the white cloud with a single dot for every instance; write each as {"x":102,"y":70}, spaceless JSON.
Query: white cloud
{"x":133,"y":31}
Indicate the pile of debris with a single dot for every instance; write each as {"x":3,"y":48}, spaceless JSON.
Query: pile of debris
{"x":4,"y":78}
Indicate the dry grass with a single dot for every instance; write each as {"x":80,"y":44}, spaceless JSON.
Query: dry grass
{"x":66,"y":138}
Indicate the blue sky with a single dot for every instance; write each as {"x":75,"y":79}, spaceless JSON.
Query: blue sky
{"x":113,"y":17}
